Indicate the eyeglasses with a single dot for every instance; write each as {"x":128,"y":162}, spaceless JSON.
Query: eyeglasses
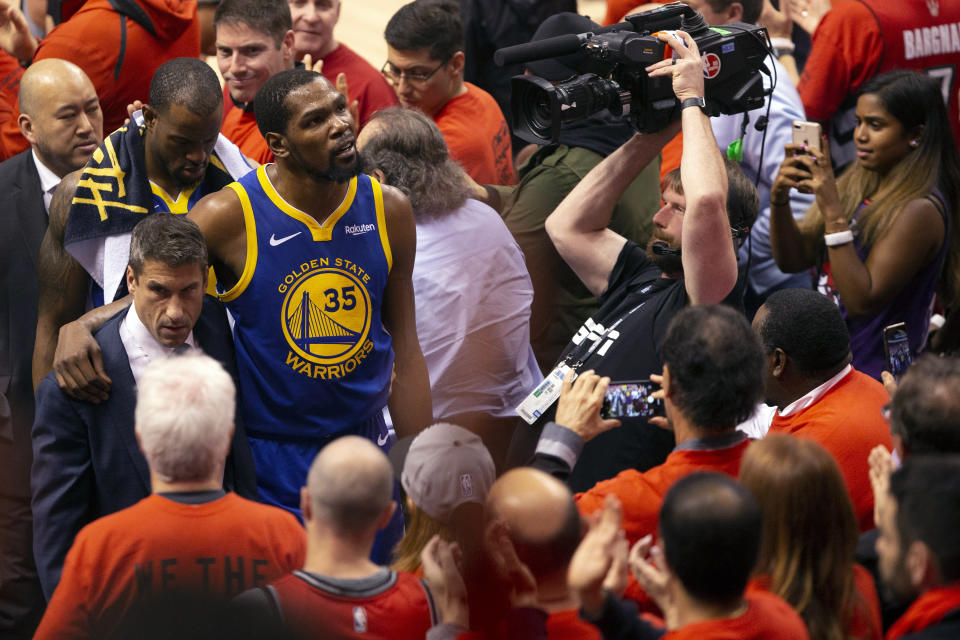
{"x":395,"y":75}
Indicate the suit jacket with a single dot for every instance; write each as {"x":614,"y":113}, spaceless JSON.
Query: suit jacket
{"x":87,"y":463}
{"x":23,"y":221}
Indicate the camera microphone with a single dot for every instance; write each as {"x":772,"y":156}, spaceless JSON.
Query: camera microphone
{"x":661,"y":248}
{"x":546,"y":48}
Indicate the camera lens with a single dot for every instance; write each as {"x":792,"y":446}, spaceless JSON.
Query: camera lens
{"x":539,"y":107}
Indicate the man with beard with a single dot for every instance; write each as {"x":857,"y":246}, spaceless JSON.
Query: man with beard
{"x":314,"y":262}
{"x":918,"y":547}
{"x":641,"y":290}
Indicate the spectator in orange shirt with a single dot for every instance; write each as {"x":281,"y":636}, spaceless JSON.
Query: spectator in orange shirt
{"x":711,"y":381}
{"x":919,"y":547}
{"x":425,"y":63}
{"x":709,"y":537}
{"x":188,"y":535}
{"x":817,"y":392}
{"x":254,"y":41}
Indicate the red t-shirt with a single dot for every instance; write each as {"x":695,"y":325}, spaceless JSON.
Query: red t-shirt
{"x":477,"y":136}
{"x":847,"y":421}
{"x":220,"y":548}
{"x":641,"y":494}
{"x":858,"y":39}
{"x":399,"y":607}
{"x":364,"y":83}
{"x":864,"y":622}
{"x":240,"y":128}
{"x":766,"y":617}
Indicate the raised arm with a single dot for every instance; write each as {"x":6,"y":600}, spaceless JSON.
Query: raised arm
{"x":410,"y":403}
{"x":578,"y":226}
{"x":709,"y":260}
{"x":794,"y":248}
{"x":64,"y":339}
{"x":913,"y":241}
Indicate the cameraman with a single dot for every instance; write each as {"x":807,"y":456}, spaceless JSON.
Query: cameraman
{"x":641,"y":289}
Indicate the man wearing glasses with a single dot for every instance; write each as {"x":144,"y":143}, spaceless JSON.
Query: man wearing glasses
{"x":425,"y":66}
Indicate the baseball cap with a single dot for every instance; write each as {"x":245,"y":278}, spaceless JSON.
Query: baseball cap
{"x":443,"y":467}
{"x":559,"y":24}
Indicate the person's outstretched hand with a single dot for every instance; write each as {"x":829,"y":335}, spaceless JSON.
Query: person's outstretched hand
{"x":441,"y":571}
{"x":578,"y":408}
{"x":685,"y":67}
{"x":595,"y":564}
{"x":15,"y":36}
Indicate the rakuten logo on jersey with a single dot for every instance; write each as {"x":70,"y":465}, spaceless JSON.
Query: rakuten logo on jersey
{"x":358,"y":229}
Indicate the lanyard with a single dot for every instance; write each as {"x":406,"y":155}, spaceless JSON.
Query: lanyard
{"x":584,"y":356}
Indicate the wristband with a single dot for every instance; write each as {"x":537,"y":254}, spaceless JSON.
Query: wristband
{"x":783,"y":46}
{"x":838,"y":238}
{"x":693,"y":102}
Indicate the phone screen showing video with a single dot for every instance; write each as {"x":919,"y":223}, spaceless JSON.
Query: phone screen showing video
{"x":631,"y":400}
{"x":897,"y":345}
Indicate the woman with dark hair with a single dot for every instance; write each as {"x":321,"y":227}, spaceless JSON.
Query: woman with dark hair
{"x":885,"y":232}
{"x":809,"y":537}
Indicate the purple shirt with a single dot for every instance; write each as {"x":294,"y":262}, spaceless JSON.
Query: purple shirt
{"x":913,"y":304}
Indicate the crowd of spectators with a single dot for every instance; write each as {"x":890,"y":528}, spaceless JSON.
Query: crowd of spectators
{"x":316,"y":350}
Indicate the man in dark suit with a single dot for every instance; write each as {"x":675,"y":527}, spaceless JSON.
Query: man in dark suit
{"x":87,"y":462}
{"x":60,"y":117}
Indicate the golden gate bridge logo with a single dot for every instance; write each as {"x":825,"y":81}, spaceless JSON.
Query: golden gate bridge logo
{"x":326,"y":315}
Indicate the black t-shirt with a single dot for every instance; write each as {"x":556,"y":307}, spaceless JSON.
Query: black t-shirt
{"x":622,"y":340}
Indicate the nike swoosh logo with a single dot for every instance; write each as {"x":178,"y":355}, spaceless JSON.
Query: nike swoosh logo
{"x":274,"y":241}
{"x":382,"y":439}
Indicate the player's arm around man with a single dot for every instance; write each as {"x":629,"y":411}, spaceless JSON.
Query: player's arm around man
{"x":63,"y":286}
{"x":410,"y":403}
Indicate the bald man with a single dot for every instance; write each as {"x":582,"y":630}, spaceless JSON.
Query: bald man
{"x":60,"y":117}
{"x":340,"y":592}
{"x":543,"y":523}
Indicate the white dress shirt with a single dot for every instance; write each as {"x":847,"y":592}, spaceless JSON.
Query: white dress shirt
{"x":48,"y":181}
{"x":142,"y":348}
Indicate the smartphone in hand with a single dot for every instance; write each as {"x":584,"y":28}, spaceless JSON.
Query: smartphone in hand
{"x":896,"y":347}
{"x":807,"y":134}
{"x":631,"y":399}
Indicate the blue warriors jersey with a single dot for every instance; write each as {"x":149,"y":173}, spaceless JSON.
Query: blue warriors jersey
{"x":184,"y":202}
{"x":312,"y":354}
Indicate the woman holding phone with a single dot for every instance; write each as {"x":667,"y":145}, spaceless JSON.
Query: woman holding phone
{"x":883,"y":233}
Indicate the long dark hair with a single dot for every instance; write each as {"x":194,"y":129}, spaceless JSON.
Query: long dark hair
{"x":916,"y":101}
{"x":809,"y":530}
